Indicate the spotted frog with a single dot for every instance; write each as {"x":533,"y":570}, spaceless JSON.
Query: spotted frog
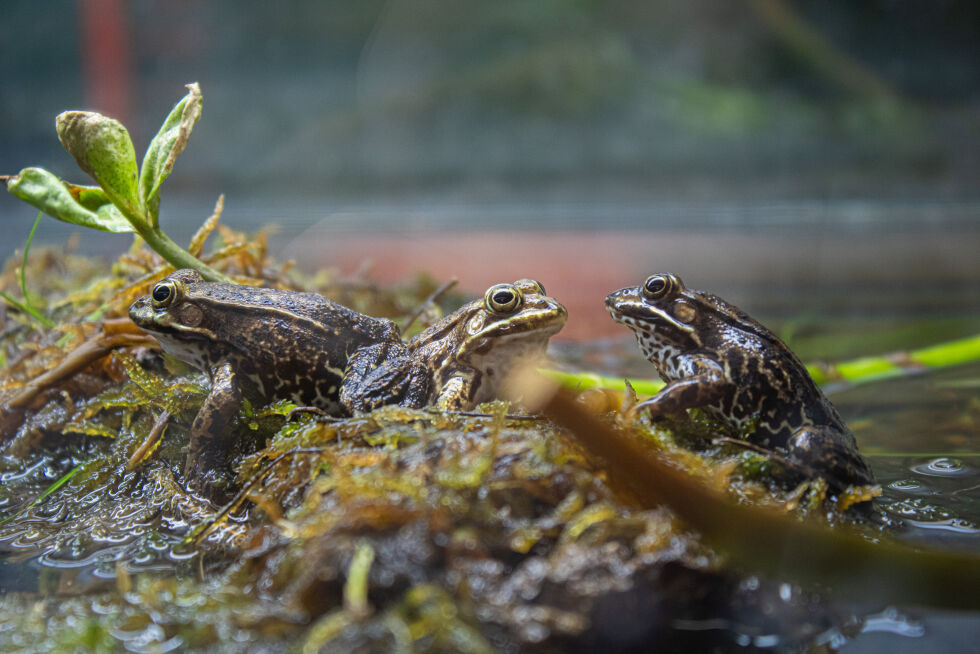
{"x":470,"y":351}
{"x":713,"y":356}
{"x":466,"y":354}
{"x":267,"y":344}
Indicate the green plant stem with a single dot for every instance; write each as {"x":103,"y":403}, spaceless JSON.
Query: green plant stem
{"x":44,"y":320}
{"x":356,"y":586}
{"x":173,"y":253}
{"x":52,"y":488}
{"x":27,"y":306}
{"x":853,"y":372}
{"x":23,"y":263}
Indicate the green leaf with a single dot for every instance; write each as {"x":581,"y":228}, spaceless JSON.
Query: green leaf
{"x":103,"y":149}
{"x":170,"y":141}
{"x":43,"y":190}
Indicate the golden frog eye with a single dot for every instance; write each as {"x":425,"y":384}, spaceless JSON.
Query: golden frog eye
{"x":164,"y":294}
{"x":503,"y":298}
{"x":658,"y":286}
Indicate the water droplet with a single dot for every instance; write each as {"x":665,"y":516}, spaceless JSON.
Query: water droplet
{"x":906,"y":485}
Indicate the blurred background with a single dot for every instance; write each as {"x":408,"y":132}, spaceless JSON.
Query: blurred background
{"x":816,"y":163}
{"x":809,"y":161}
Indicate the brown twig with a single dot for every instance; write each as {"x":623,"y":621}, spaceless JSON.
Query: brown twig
{"x":156,"y":433}
{"x":88,"y":352}
{"x":433,"y":296}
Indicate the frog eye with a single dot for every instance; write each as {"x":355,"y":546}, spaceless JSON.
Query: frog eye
{"x":164,"y":294}
{"x":657,"y":286}
{"x":503,"y":298}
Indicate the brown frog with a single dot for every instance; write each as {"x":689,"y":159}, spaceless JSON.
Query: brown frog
{"x":713,"y":356}
{"x":470,"y":351}
{"x":267,"y":344}
{"x":467,"y":353}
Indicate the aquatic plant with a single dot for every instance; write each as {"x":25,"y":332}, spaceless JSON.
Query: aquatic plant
{"x":127,"y":198}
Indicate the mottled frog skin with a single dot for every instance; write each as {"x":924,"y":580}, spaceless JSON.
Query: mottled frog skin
{"x":713,"y":356}
{"x":467,"y":353}
{"x":470,"y":351}
{"x":268,"y":344}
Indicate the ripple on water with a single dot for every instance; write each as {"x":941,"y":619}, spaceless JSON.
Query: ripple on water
{"x":957,"y":525}
{"x":893,"y":622}
{"x":943,"y":467}
{"x":913,"y":487}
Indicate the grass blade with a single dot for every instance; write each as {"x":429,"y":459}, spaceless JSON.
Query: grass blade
{"x":51,"y":489}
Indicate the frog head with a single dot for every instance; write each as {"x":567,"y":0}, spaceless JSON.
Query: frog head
{"x":172,"y":314}
{"x":664,"y":314}
{"x":511,"y":324}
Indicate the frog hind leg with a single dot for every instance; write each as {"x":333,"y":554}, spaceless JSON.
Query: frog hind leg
{"x":706,"y":386}
{"x":383,"y":374}
{"x":204,"y":454}
{"x":831,"y":454}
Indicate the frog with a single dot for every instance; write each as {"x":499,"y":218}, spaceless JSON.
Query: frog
{"x":470,"y":352}
{"x":713,"y":356}
{"x":264,"y":344}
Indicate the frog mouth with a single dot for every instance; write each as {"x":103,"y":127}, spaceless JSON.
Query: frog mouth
{"x":545,"y":320}
{"x":161,"y":324}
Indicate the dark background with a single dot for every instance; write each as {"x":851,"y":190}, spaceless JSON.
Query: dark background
{"x":790,"y":155}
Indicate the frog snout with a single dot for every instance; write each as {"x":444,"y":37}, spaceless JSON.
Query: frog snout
{"x":140,"y":311}
{"x":616,"y":298}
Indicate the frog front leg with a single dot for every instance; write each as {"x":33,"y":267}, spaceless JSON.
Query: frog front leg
{"x":457,"y":392}
{"x":210,"y":425}
{"x":382,"y":374}
{"x":705,"y":384}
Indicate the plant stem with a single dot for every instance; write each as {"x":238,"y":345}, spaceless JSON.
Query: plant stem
{"x":176,"y":255}
{"x":853,"y":372}
{"x":23,"y":263}
{"x":31,"y":311}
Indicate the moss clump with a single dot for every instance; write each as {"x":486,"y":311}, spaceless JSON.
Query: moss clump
{"x":399,"y":529}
